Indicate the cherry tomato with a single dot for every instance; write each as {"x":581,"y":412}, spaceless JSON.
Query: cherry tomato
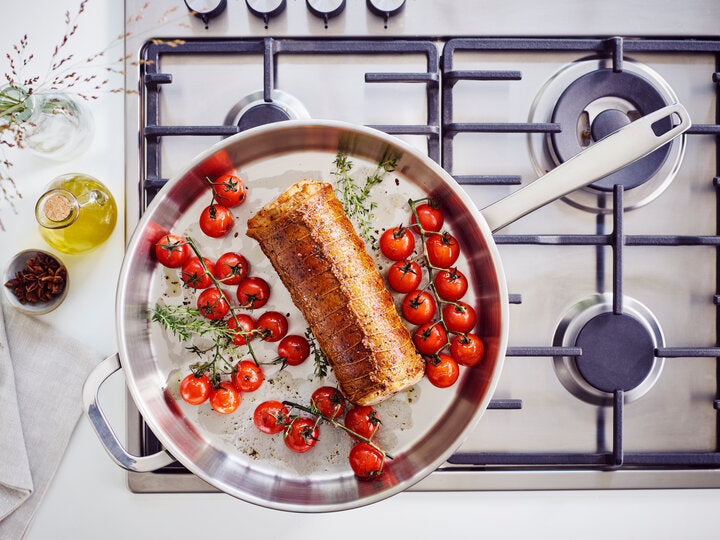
{"x":467,"y":350}
{"x":460,"y":317}
{"x":363,"y":420}
{"x":431,"y":218}
{"x":329,"y":401}
{"x":366,"y":462}
{"x":216,"y":220}
{"x":397,"y":243}
{"x":212,"y":304}
{"x":195,"y":390}
{"x":247,"y":376}
{"x":230,"y":190}
{"x":404,"y":276}
{"x":193,"y":273}
{"x":302,"y":435}
{"x":274,"y":326}
{"x":451,"y":284}
{"x":253,"y":292}
{"x":231,"y":268}
{"x":442,"y":371}
{"x":430,"y":338}
{"x":442,"y":250}
{"x":172,"y":251}
{"x":246,"y":323}
{"x":225,"y":399}
{"x":418,"y":307}
{"x":294,"y":349}
{"x":271,"y":417}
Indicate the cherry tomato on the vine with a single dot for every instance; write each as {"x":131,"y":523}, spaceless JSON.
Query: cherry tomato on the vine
{"x":212,"y":304}
{"x":404,"y":276}
{"x":418,"y":307}
{"x":231,"y":268}
{"x":442,"y":250}
{"x":363,"y":420}
{"x":216,"y":220}
{"x":225,"y":399}
{"x":431,"y":218}
{"x":302,"y":435}
{"x":451,"y":284}
{"x":397,"y":243}
{"x":253,"y":292}
{"x":230,"y":190}
{"x":271,"y":417}
{"x":172,"y":251}
{"x":195,"y":390}
{"x":460,"y":317}
{"x":273,"y":324}
{"x":246,"y":323}
{"x":467,"y":349}
{"x":442,"y":371}
{"x":329,"y":401}
{"x":294,"y":349}
{"x":194,"y":275}
{"x":430,"y":338}
{"x":366,"y":462}
{"x":247,"y":376}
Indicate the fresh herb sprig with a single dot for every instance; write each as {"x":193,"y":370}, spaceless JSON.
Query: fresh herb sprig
{"x":321,"y":361}
{"x":185,"y":322}
{"x":354,"y":198}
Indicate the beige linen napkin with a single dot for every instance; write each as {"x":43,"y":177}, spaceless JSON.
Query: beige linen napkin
{"x":41,"y":378}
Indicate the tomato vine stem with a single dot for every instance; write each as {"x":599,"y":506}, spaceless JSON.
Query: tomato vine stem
{"x":431,"y":278}
{"x":315,"y":412}
{"x":216,"y":282}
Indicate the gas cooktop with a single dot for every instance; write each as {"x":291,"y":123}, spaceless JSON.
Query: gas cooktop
{"x":612,"y":375}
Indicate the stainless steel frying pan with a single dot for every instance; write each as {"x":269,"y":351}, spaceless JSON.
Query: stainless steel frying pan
{"x":433,"y":436}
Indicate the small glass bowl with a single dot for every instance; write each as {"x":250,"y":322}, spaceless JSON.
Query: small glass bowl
{"x":16,"y":264}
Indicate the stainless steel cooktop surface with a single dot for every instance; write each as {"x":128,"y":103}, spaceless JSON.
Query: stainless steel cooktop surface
{"x":611,"y":379}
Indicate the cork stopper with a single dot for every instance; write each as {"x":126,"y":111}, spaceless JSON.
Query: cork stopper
{"x":57,"y":208}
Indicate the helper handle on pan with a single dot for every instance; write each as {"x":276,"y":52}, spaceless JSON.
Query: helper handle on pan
{"x":621,"y":148}
{"x":107,"y":436}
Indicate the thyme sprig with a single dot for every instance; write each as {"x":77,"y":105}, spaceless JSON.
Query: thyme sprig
{"x":354,"y":198}
{"x":185,"y":322}
{"x":321,"y":361}
{"x":312,"y":409}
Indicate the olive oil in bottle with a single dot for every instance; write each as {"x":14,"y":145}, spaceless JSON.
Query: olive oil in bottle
{"x":76,"y":214}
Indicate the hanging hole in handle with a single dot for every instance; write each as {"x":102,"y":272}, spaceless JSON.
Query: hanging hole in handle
{"x":662,"y":126}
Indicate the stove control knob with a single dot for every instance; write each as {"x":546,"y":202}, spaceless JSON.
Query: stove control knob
{"x":265,"y":9}
{"x":325,"y":9}
{"x":206,"y":9}
{"x":385,"y":8}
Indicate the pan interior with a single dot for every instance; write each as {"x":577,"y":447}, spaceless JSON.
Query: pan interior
{"x":420,"y":427}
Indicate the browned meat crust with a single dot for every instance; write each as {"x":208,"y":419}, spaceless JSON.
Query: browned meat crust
{"x":333,"y":281}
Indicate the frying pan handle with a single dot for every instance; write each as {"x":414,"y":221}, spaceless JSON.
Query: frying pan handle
{"x":626,"y":145}
{"x":106,"y":434}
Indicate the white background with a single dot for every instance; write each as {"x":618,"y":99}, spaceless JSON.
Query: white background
{"x":88,"y":498}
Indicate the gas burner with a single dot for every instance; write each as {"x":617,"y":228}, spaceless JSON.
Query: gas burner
{"x":252,"y":110}
{"x":589,"y":101}
{"x":617,"y":350}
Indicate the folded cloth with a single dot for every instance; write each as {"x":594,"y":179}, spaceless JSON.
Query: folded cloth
{"x":41,"y":378}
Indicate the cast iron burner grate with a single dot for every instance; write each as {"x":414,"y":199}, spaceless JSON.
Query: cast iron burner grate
{"x":440,"y":131}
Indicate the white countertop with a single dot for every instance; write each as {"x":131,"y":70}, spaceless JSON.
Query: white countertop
{"x":89,"y":498}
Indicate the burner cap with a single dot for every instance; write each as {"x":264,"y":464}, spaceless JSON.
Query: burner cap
{"x":264,"y":113}
{"x":617,"y":352}
{"x":252,"y":110}
{"x":591,"y":87}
